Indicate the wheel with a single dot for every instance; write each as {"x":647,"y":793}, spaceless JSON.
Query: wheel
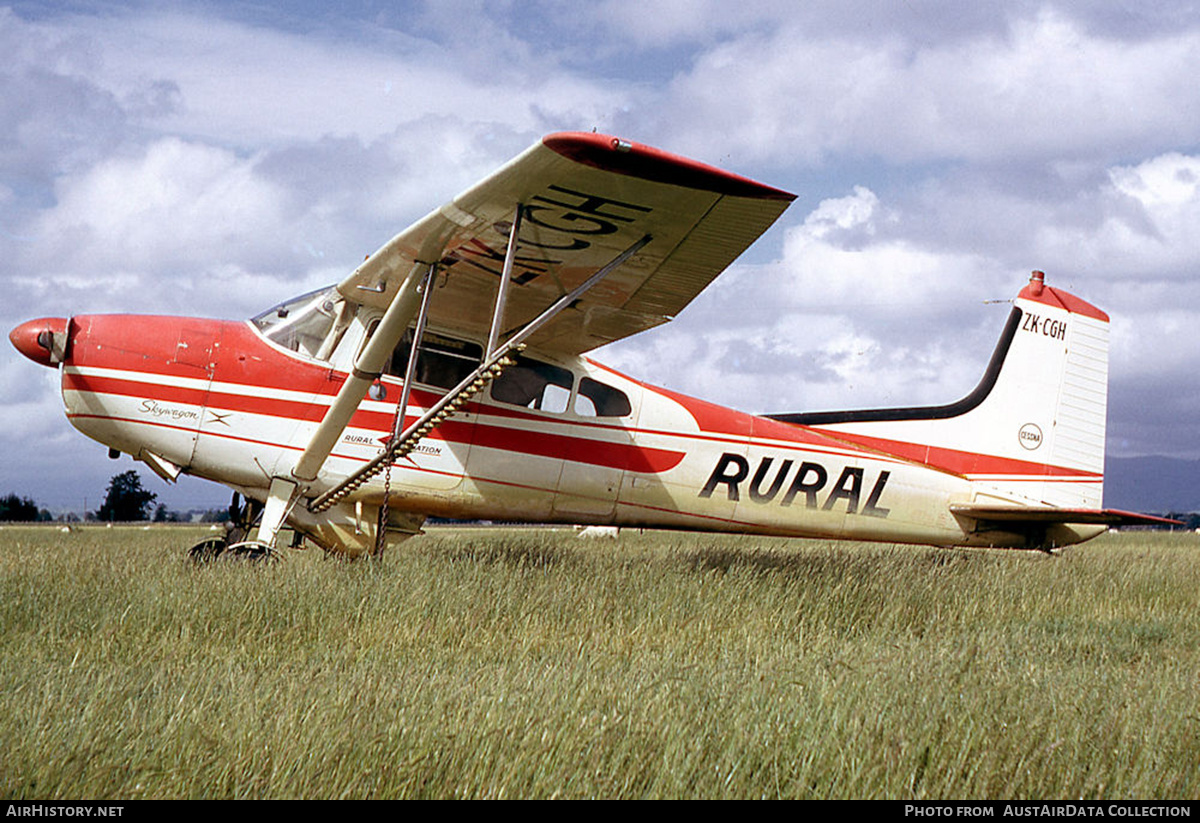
{"x":207,"y":550}
{"x":253,"y":551}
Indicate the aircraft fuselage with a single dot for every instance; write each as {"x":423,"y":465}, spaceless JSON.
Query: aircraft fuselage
{"x":217,"y":400}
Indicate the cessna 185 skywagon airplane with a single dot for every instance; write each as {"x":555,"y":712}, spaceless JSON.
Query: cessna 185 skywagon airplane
{"x":446,"y":377}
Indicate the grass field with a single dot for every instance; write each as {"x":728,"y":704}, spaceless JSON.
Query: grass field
{"x":499,"y":663}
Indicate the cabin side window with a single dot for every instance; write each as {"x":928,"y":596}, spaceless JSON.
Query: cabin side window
{"x":441,"y":361}
{"x":596,"y":399}
{"x":534,"y":385}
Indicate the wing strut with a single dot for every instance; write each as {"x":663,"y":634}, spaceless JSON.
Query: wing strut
{"x":505,"y":278}
{"x":410,"y":368}
{"x":491,"y":367}
{"x":367,"y":368}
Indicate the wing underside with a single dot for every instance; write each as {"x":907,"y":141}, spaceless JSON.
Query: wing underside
{"x":583,"y":198}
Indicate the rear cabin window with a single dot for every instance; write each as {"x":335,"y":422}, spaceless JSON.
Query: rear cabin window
{"x":596,"y":399}
{"x":534,"y":385}
{"x":441,"y":361}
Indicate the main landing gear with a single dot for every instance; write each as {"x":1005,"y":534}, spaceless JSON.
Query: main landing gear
{"x":233,"y":545}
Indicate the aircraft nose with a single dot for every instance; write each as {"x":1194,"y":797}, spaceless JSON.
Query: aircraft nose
{"x":43,"y":341}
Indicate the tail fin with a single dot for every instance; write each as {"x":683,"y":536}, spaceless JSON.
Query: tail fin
{"x":1032,"y":430}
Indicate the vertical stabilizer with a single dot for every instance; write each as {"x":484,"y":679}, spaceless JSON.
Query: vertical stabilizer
{"x":1033,"y":429}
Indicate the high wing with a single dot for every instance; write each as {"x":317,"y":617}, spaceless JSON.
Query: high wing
{"x":611,"y":238}
{"x":583,"y":199}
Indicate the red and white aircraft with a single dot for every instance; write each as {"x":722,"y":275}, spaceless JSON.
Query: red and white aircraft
{"x":445,"y":377}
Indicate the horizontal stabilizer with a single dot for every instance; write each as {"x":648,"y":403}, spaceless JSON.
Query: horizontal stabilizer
{"x":1046,"y":515}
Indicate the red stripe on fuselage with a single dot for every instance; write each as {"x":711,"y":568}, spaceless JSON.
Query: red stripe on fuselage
{"x":961,"y":462}
{"x":722,"y":421}
{"x":578,"y":449}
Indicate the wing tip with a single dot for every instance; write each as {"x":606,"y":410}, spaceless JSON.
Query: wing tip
{"x":610,"y":153}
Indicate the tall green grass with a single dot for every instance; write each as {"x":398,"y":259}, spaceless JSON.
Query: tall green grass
{"x":499,"y":663}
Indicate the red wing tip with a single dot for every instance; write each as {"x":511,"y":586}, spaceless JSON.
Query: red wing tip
{"x":615,"y":154}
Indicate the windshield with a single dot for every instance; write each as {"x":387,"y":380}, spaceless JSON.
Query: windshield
{"x":310,"y":324}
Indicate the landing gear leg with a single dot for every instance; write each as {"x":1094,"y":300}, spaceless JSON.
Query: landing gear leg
{"x":242,"y":516}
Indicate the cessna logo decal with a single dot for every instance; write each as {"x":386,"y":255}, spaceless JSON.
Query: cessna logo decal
{"x":810,"y":479}
{"x":1030,"y":436}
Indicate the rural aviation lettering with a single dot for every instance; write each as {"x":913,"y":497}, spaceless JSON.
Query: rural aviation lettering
{"x":810,"y":479}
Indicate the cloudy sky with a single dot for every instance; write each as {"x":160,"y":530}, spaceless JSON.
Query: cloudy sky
{"x":213,"y":159}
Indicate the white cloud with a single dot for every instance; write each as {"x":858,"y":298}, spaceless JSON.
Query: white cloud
{"x":857,"y":210}
{"x":866,"y":306}
{"x":172,"y":203}
{"x":670,"y":22}
{"x":252,"y":85}
{"x":153,"y":153}
{"x":845,"y":318}
{"x":1162,"y":183}
{"x":1046,"y":87}
{"x":838,"y":260}
{"x":150,"y":230}
{"x":1145,"y":224}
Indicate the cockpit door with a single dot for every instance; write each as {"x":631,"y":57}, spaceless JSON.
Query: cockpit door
{"x":602,"y":447}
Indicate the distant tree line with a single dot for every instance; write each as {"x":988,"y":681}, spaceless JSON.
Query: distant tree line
{"x":1191,"y":520}
{"x":125,"y":500}
{"x":15,"y":509}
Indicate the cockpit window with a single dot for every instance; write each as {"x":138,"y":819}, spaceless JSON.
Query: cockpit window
{"x":596,"y":399}
{"x":309,"y":324}
{"x":534,"y":385}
